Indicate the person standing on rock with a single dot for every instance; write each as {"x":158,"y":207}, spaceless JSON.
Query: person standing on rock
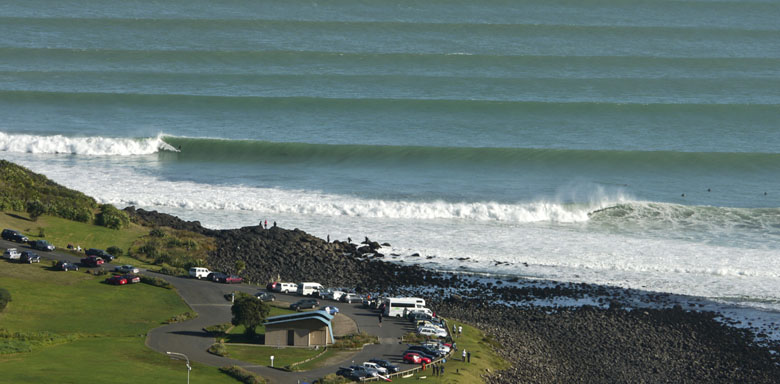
{"x":266,"y":224}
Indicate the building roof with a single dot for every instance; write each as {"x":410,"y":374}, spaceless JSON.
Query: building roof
{"x":320,"y":315}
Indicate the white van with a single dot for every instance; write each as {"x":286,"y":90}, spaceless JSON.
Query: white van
{"x":11,"y":254}
{"x":395,"y":306}
{"x":308,"y":289}
{"x":199,"y":272}
{"x":285,"y":287}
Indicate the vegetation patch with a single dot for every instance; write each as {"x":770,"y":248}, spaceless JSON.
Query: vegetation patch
{"x":219,"y":330}
{"x":16,"y":342}
{"x":181,"y":317}
{"x":218,"y":349}
{"x":111,"y":217}
{"x":357,"y":340}
{"x":156,"y":281}
{"x":261,"y":354}
{"x":334,"y":379}
{"x":5,"y":297}
{"x":242,"y":375}
{"x":173,"y":248}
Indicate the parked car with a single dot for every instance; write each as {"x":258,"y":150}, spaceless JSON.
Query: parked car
{"x":331,"y":294}
{"x":422,"y":350}
{"x":215,"y":276}
{"x":286,"y":287}
{"x":116,"y":280}
{"x":305,"y":304}
{"x":29,"y":257}
{"x":364,"y":371}
{"x":386,"y":365}
{"x":232,"y":279}
{"x":12,"y":235}
{"x":92,"y":261}
{"x":415,"y":358}
{"x":199,"y":272}
{"x":127,"y":269}
{"x":132,"y":279}
{"x":99,"y":253}
{"x":331,"y":309}
{"x":351,"y":298}
{"x":440,"y":348}
{"x":379,"y":369}
{"x":427,"y":357}
{"x":41,"y":245}
{"x":431,"y":331}
{"x":12,"y":254}
{"x":265,"y":296}
{"x":351,"y":374}
{"x":63,"y":265}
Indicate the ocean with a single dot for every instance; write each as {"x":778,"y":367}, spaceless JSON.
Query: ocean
{"x":628,"y":143}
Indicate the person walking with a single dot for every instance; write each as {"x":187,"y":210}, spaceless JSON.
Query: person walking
{"x":441,"y":371}
{"x":435,"y":370}
{"x":460,"y":330}
{"x":380,"y":320}
{"x":468,"y":356}
{"x":464,"y":355}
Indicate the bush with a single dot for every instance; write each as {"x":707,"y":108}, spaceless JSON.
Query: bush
{"x":35,"y":209}
{"x":172,"y":271}
{"x":242,"y":375}
{"x":355,"y":340}
{"x":114,"y":250}
{"x":218,"y":349}
{"x":179,"y":318}
{"x":334,"y":379}
{"x":5,"y":297}
{"x":111,"y":217}
{"x":218,"y":330}
{"x":156,"y":281}
{"x":157,"y":232}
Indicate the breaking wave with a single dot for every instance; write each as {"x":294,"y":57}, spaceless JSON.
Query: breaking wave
{"x":87,"y":146}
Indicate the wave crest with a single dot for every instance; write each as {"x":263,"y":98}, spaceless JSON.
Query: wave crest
{"x":87,"y":146}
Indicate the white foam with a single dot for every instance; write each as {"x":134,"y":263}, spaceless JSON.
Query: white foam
{"x":87,"y":146}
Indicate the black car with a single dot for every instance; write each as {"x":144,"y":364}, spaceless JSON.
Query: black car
{"x":41,"y":245}
{"x":305,"y":304}
{"x":66,"y":266}
{"x":11,"y":235}
{"x":29,"y":257}
{"x":99,"y":253}
{"x":265,"y":296}
{"x":352,"y":374}
{"x":386,"y":365}
{"x":422,"y":349}
{"x":216,"y":276}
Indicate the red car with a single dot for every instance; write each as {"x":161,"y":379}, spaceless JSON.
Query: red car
{"x":116,"y":280}
{"x":232,"y":279}
{"x":92,"y":261}
{"x":132,"y":279}
{"x":413,"y":358}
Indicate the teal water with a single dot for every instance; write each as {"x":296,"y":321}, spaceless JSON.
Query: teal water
{"x":632,"y":143}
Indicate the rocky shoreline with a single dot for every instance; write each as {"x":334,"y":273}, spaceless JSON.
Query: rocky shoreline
{"x":608,"y":335}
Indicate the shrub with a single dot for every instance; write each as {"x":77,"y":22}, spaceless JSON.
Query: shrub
{"x":114,"y":250}
{"x":157,"y":232}
{"x":242,"y":375}
{"x":356,"y":340}
{"x":172,"y":271}
{"x":179,"y":318}
{"x":5,"y":297}
{"x":41,"y":232}
{"x":156,"y":281}
{"x":218,"y":349}
{"x":334,"y":379}
{"x":111,"y":217}
{"x":218,"y":330}
{"x":35,"y":209}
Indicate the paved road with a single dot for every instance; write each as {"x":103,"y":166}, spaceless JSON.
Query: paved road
{"x":207,"y":299}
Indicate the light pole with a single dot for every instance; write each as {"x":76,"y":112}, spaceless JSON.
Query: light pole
{"x":189,"y":368}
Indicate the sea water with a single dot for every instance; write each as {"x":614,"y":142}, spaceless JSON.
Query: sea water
{"x":625,"y":143}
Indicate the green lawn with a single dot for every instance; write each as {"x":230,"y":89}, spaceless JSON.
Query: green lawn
{"x":457,"y":371}
{"x":262,"y":354}
{"x":103,"y":329}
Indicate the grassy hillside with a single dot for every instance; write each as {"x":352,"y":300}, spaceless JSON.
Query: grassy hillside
{"x":20,"y":187}
{"x":84,"y":331}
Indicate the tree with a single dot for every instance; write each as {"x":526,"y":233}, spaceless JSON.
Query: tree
{"x":240,"y":266}
{"x":249,"y":312}
{"x":35,"y":209}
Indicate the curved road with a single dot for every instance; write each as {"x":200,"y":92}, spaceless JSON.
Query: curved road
{"x":207,"y":299}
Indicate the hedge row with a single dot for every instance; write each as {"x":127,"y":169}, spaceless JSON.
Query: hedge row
{"x":242,"y":375}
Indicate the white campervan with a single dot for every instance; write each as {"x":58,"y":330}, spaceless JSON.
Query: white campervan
{"x":199,"y":272}
{"x":308,"y":289}
{"x":395,"y":306}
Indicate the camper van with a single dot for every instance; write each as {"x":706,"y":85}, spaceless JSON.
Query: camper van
{"x":308,"y":289}
{"x":394,"y":306}
{"x":199,"y":272}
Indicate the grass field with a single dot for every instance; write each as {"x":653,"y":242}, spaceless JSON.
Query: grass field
{"x":262,"y":354}
{"x":103,"y":329}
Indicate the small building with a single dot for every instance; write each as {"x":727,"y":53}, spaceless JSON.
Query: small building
{"x":302,"y":329}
